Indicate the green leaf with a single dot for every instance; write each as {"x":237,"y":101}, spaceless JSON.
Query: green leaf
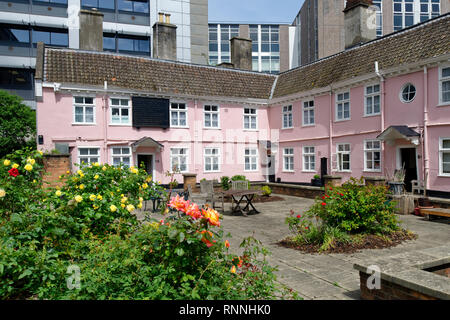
{"x":16,"y":218}
{"x":181,"y":237}
{"x":172,"y":233}
{"x":179,"y":251}
{"x":25,"y":273}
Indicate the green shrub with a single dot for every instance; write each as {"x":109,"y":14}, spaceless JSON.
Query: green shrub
{"x":225,"y":183}
{"x":266,"y":191}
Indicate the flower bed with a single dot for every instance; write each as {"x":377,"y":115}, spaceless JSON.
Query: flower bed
{"x":83,"y":241}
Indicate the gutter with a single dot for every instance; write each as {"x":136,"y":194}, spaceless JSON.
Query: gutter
{"x":425,"y":153}
{"x":331,"y":129}
{"x":382,"y":110}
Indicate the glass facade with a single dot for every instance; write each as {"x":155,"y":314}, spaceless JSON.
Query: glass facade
{"x":410,"y":12}
{"x":120,"y":5}
{"x":219,"y":42}
{"x":265,"y":48}
{"x":126,"y":44}
{"x":19,"y":35}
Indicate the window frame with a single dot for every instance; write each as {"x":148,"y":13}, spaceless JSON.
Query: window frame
{"x":250,"y":116}
{"x":441,"y":157}
{"x":337,"y":102}
{"x":286,"y":113}
{"x":339,"y":164}
{"x":121,"y":156}
{"x":292,"y":161}
{"x":129,"y":107}
{"x":372,"y":150}
{"x":84,"y":123}
{"x":219,"y":156}
{"x":211,"y":113}
{"x":441,"y":81}
{"x":403,"y":88}
{"x":186,"y":155}
{"x":309,"y":109}
{"x":309,"y":155}
{"x":372,"y":95}
{"x":178,"y":111}
{"x":251,"y":156}
{"x":88,"y":156}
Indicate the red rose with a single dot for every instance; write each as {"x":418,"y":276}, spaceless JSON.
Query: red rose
{"x":323,"y":198}
{"x":324,"y":204}
{"x":13,"y":172}
{"x":299,"y":216}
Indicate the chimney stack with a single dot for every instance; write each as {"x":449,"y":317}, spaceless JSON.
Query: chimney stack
{"x":164,"y":38}
{"x":91,"y":30}
{"x":241,"y":53}
{"x":360,"y":22}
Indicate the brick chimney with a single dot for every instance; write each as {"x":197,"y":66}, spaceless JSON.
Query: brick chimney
{"x":241,"y":53}
{"x":91,"y":30}
{"x":164,"y":38}
{"x":360,"y":22}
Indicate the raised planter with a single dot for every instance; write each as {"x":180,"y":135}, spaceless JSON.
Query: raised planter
{"x":397,"y":188}
{"x":316,"y":182}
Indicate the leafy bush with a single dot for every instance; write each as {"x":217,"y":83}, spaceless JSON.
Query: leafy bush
{"x":266,"y":191}
{"x":225,"y":182}
{"x":344,"y":211}
{"x":90,"y":223}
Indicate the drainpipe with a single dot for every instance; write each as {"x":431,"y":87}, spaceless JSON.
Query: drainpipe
{"x":331,"y":130}
{"x":383,"y":95}
{"x":425,"y":157}
{"x":195,"y":136}
{"x":105,"y":123}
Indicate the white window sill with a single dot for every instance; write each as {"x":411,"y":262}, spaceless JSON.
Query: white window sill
{"x":120,"y":124}
{"x":207,"y":128}
{"x":250,"y":171}
{"x":309,"y":125}
{"x":371,"y":171}
{"x":288,"y":171}
{"x":443,"y":104}
{"x":342,"y":120}
{"x":250,"y":130}
{"x":444,"y":175}
{"x":212,"y":171}
{"x":287,"y":128}
{"x":84,"y":124}
{"x":179,"y":127}
{"x":309,"y":171}
{"x":371,"y":115}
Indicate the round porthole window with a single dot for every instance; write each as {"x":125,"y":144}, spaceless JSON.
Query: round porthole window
{"x":408,"y":93}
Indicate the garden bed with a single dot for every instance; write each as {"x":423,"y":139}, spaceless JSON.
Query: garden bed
{"x":359,"y":242}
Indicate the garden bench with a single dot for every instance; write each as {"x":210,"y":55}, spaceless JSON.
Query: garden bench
{"x":435,"y":212}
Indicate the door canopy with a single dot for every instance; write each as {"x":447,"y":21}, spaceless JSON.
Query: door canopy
{"x":147,"y":142}
{"x":399,"y":132}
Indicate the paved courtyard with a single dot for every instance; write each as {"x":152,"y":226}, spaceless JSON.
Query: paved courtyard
{"x":321,"y":276}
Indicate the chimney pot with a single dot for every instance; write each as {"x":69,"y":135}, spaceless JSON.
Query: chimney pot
{"x":360,"y":22}
{"x":241,"y":53}
{"x":165,"y":41}
{"x":91,"y":30}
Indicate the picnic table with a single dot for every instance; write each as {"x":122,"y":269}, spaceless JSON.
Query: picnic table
{"x":242,"y":196}
{"x":435,"y":212}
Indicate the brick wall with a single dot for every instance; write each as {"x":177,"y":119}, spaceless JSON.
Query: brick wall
{"x":54,"y":166}
{"x":389,"y":291}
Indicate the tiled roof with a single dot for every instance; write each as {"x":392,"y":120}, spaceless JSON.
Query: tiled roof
{"x":425,"y":41}
{"x":70,"y":66}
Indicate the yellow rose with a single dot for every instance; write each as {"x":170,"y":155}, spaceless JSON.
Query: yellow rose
{"x":124,"y":199}
{"x":6,"y":162}
{"x":122,"y":205}
{"x":113,"y":208}
{"x":28,"y":167}
{"x":145,"y":186}
{"x":15,"y":165}
{"x":68,"y":172}
{"x":81,"y":186}
{"x":141,"y":199}
{"x":95,"y":207}
{"x":31,"y":161}
{"x":104,"y":168}
{"x":2,"y":193}
{"x":80,"y":173}
{"x":130,"y":208}
{"x":134,"y":170}
{"x":148,"y":179}
{"x":78,"y":198}
{"x":139,"y":205}
{"x":96,"y":176}
{"x":99,"y":197}
{"x":96,"y":164}
{"x":92,"y":197}
{"x":58,"y":193}
{"x":40,"y":152}
{"x":34,"y":181}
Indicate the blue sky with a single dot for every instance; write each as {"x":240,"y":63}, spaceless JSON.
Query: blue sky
{"x":277,"y":11}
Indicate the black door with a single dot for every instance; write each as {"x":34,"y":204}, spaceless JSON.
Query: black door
{"x":408,"y":160}
{"x":146,"y":161}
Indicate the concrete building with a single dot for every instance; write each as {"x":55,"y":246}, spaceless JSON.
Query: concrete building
{"x":127,"y":28}
{"x":271,"y":49}
{"x":319,"y":25}
{"x":366,"y":111}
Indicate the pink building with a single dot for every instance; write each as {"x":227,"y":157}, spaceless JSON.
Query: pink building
{"x":368,"y":110}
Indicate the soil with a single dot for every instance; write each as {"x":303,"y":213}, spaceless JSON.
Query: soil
{"x":368,"y":241}
{"x":259,"y":199}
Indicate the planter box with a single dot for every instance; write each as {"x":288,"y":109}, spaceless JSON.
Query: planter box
{"x":397,"y":188}
{"x":316,"y":182}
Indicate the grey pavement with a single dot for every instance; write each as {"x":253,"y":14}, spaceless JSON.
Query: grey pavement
{"x":321,"y":276}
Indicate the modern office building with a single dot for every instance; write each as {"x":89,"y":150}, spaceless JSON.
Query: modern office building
{"x":127,"y":28}
{"x":319,"y":25}
{"x":271,"y":48}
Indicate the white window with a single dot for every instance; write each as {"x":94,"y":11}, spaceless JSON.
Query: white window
{"x":251,"y":159}
{"x":121,"y":156}
{"x":250,"y":119}
{"x":120,"y":111}
{"x":343,"y":156}
{"x":84,"y":110}
{"x":308,"y":113}
{"x":444,"y":77}
{"x":287,"y":117}
{"x":178,"y":115}
{"x":211,"y":116}
{"x":309,"y":159}
{"x":372,"y":155}
{"x":408,"y":93}
{"x":288,"y":159}
{"x":88,"y":155}
{"x":343,"y":106}
{"x":372,"y":100}
{"x":212,"y":160}
{"x":179,"y":159}
{"x":444,"y":157}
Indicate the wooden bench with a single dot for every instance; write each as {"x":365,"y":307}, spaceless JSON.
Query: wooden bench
{"x":435,"y":212}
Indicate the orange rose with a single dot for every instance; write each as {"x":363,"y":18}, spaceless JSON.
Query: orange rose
{"x":212,"y":216}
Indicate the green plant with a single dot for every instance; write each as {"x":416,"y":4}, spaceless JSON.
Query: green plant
{"x":316,"y":176}
{"x":225,"y":182}
{"x":17,"y":124}
{"x":266,"y":191}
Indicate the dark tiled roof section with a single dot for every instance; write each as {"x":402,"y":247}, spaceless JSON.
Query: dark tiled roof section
{"x":428,"y":40}
{"x":153,"y":76}
{"x":406,"y":131}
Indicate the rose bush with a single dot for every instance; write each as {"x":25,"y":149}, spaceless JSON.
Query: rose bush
{"x":91,"y":222}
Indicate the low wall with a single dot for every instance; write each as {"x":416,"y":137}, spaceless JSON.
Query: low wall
{"x":54,"y":166}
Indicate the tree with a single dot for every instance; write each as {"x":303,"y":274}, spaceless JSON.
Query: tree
{"x":17,"y":124}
